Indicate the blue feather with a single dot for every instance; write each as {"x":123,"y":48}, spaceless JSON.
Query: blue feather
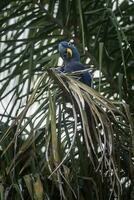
{"x":72,"y":63}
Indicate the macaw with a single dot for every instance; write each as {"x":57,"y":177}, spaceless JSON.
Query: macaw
{"x":71,"y":58}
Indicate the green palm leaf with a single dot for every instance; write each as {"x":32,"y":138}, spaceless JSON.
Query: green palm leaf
{"x":48,"y":146}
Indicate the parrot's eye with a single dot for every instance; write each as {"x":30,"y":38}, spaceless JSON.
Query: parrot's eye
{"x":69,"y":43}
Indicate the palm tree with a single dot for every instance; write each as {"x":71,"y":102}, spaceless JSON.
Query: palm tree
{"x":48,"y":148}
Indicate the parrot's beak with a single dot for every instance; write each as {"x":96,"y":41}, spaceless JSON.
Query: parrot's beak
{"x":69,"y":53}
{"x":65,"y":52}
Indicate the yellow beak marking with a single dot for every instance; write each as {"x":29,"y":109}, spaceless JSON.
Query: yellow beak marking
{"x":69,"y":53}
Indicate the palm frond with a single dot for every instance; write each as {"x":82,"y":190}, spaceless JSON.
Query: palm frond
{"x":56,"y":134}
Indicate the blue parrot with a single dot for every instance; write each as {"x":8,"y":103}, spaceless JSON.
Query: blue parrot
{"x":71,"y":58}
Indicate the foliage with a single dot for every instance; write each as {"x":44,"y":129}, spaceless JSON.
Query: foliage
{"x":58,"y":137}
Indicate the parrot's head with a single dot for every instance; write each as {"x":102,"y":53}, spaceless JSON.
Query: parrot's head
{"x":68,"y":52}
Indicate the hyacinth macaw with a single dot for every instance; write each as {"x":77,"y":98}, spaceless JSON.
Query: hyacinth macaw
{"x":71,"y":58}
